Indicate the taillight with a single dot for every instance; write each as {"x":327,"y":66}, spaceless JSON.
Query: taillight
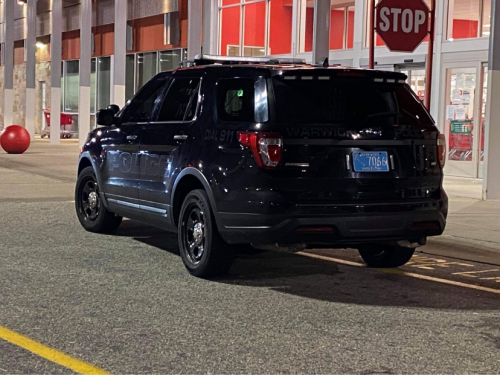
{"x":266,"y":147}
{"x":441,"y":149}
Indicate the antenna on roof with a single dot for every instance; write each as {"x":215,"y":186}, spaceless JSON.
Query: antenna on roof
{"x":322,"y":62}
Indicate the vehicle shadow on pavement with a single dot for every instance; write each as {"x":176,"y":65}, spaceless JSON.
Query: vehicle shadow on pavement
{"x":149,"y":235}
{"x":318,"y":279}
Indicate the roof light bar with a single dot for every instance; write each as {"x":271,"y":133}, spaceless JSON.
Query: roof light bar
{"x":234,"y":60}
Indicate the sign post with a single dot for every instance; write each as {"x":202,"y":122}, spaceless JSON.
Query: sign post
{"x":403,"y":25}
{"x":430,"y":57}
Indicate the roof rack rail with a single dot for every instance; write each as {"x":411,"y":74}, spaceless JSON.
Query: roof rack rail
{"x":232,"y":60}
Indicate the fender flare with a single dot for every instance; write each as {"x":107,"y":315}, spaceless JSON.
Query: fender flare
{"x":190,"y":171}
{"x":94,"y":163}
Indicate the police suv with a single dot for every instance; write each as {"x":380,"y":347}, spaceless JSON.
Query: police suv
{"x":274,"y":153}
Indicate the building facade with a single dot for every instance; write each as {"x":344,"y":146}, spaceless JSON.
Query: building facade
{"x":155,"y":35}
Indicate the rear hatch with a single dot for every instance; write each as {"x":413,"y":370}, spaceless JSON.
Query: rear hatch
{"x":352,"y":135}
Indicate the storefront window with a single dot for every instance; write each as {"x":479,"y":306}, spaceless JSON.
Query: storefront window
{"x":230,"y":31}
{"x":146,"y":67}
{"x":342,"y":27}
{"x":170,"y":59}
{"x":93,"y":74}
{"x":71,"y":86}
{"x":100,"y":81}
{"x":254,"y":33}
{"x":280,"y":27}
{"x":129,"y":77}
{"x":469,"y":19}
{"x":141,"y":67}
{"x":306,"y":26}
{"x":103,"y":82}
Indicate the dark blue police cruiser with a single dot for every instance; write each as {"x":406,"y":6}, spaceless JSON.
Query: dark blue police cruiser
{"x":269,"y":152}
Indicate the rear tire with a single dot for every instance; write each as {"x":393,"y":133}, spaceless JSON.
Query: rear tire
{"x":385,"y":256}
{"x":203,"y":251}
{"x":92,"y":214}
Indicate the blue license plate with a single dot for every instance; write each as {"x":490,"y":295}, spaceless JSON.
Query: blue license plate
{"x":370,"y":161}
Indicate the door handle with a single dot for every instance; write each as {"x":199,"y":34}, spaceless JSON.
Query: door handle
{"x":131,"y":137}
{"x":180,"y":137}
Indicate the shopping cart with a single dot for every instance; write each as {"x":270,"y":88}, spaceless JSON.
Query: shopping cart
{"x":460,"y":141}
{"x":66,"y":119}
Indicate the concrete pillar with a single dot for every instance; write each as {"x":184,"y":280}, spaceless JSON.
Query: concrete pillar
{"x":85,"y":67}
{"x":55,"y":72}
{"x":210,"y":27}
{"x":31,"y":67}
{"x":9,"y":63}
{"x":195,"y":26}
{"x":120,"y":54}
{"x":321,"y":32}
{"x":491,"y":180}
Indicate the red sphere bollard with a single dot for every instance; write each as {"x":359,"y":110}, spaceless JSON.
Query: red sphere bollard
{"x":15,"y":139}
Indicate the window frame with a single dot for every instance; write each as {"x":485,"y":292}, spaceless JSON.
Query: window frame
{"x":242,"y":5}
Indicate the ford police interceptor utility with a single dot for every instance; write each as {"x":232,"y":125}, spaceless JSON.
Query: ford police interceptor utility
{"x":273,"y":153}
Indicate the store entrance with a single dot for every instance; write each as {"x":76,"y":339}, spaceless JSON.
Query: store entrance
{"x":416,"y":78}
{"x":465,"y":114}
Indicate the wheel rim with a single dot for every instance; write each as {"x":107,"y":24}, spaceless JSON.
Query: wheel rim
{"x":89,"y":199}
{"x":193,"y":234}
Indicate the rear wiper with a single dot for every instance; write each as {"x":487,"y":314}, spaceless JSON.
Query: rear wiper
{"x":412,"y":116}
{"x":380,"y":114}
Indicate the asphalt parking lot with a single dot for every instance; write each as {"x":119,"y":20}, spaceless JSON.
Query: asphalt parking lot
{"x":73,"y":301}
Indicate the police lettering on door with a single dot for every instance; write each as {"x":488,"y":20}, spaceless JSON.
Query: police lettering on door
{"x":127,"y":163}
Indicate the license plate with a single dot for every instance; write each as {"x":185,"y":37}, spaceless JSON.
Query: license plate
{"x":370,"y":161}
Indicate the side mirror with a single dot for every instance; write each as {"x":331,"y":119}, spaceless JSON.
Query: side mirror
{"x":114,"y":108}
{"x":105,"y":117}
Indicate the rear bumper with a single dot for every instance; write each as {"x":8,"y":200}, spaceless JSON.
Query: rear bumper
{"x":338,"y":225}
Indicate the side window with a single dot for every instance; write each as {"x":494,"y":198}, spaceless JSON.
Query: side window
{"x":180,"y":101}
{"x":235,"y":100}
{"x":141,"y":107}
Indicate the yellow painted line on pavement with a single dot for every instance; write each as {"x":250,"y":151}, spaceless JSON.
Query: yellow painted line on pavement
{"x":404,"y":273}
{"x":336,"y":260}
{"x":49,"y":353}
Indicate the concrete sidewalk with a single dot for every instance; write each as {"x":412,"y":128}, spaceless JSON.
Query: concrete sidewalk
{"x":473,"y":226}
{"x":47,"y":172}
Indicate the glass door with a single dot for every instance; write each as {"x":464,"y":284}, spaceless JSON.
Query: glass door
{"x":484,"y":96}
{"x":416,"y":78}
{"x":461,"y":125}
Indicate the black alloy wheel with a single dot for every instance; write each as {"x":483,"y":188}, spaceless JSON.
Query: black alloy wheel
{"x":92,"y":214}
{"x":204,"y":253}
{"x":194,"y":235}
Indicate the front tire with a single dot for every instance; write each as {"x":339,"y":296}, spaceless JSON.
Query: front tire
{"x":203,"y":251}
{"x":385,"y":256}
{"x":90,"y":210}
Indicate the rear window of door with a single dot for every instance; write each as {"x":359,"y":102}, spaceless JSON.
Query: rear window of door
{"x":181,"y":101}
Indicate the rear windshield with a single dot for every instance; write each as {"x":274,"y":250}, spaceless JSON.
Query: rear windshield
{"x":341,"y":101}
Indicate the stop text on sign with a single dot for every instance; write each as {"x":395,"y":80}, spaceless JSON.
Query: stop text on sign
{"x":405,"y":20}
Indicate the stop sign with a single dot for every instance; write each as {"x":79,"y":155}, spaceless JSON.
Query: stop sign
{"x":402,"y":24}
